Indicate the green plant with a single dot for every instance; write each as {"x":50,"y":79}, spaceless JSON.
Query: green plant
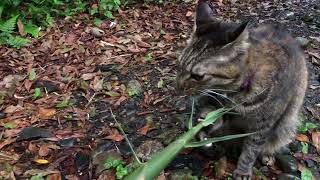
{"x":159,"y":161}
{"x":306,"y":174}
{"x":7,"y":29}
{"x":116,"y":164}
{"x":304,"y":127}
{"x":34,"y":14}
{"x":305,"y":147}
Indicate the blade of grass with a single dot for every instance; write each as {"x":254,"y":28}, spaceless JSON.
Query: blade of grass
{"x":157,"y":163}
{"x":191,"y":116}
{"x":216,"y":139}
{"x":126,"y":138}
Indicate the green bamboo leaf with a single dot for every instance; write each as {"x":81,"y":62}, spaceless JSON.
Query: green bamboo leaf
{"x":215,"y":139}
{"x":214,"y":115}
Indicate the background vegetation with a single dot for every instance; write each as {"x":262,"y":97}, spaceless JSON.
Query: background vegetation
{"x":20,"y":19}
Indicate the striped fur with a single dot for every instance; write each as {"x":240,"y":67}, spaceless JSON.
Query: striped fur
{"x":262,"y":69}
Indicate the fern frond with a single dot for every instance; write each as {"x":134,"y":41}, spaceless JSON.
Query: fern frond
{"x":17,"y":42}
{"x":9,"y":25}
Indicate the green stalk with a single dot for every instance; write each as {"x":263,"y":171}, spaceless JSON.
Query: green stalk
{"x":126,"y":138}
{"x":154,"y":166}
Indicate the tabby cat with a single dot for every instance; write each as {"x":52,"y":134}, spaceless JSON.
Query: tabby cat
{"x":261,"y":69}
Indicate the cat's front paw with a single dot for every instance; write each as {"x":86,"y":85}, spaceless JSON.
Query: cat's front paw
{"x":240,"y":175}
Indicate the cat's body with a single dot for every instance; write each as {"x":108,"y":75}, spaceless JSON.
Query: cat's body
{"x":262,"y":69}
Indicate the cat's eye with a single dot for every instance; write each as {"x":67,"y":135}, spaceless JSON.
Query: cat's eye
{"x":197,"y":77}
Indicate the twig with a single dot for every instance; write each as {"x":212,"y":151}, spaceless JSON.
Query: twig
{"x":90,"y":100}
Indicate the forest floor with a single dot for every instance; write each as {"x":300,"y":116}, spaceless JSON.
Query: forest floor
{"x":67,"y":131}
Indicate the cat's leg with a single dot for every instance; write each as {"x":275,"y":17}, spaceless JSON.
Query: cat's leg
{"x":252,"y":147}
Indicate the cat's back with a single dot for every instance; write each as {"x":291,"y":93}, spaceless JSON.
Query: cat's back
{"x":273,"y":44}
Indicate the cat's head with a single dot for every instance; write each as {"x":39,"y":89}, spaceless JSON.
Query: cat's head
{"x":214,"y":56}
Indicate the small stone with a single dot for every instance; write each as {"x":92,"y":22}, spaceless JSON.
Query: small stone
{"x":287,"y":163}
{"x":285,"y":176}
{"x":149,"y":148}
{"x":67,"y":142}
{"x":181,"y":174}
{"x":310,"y":163}
{"x":308,"y":18}
{"x":48,"y":86}
{"x":289,"y":14}
{"x":99,"y":158}
{"x":29,"y":133}
{"x":96,"y":32}
{"x":82,"y":161}
{"x":303,"y":42}
{"x":2,"y":115}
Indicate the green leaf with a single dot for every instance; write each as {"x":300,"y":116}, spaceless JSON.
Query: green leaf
{"x":148,"y":57}
{"x":311,"y":126}
{"x":305,"y":147}
{"x":216,"y":139}
{"x":97,"y":22}
{"x":93,"y":11}
{"x":68,"y":116}
{"x":49,"y":20}
{"x":160,"y":83}
{"x":32,"y":74}
{"x":109,"y":14}
{"x":9,"y":126}
{"x":304,"y":127}
{"x":63,"y":104}
{"x":31,"y":29}
{"x":37,"y":177}
{"x":214,"y":115}
{"x":17,"y":42}
{"x":112,"y":163}
{"x":9,"y":25}
{"x":162,"y":32}
{"x":306,"y":174}
{"x":1,"y":10}
{"x":37,"y":93}
{"x":121,"y":171}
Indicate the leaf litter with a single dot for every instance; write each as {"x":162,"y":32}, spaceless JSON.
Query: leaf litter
{"x":79,"y":67}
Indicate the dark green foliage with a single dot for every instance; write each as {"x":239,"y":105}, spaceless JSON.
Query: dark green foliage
{"x":34,"y":14}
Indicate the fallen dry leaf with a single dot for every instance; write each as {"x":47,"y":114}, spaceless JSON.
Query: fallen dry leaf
{"x":115,"y":137}
{"x":13,"y":109}
{"x":189,"y":13}
{"x":20,"y":28}
{"x":316,"y":140}
{"x":144,"y":130}
{"x":44,"y":150}
{"x":46,"y":113}
{"x":41,"y":161}
{"x":302,"y":138}
{"x":221,"y":166}
{"x":7,"y":142}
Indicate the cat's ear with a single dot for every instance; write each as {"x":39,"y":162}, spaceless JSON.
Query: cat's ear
{"x":204,"y":13}
{"x":239,"y":33}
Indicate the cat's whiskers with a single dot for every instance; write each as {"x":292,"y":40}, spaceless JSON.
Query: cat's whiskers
{"x":207,"y":94}
{"x":219,"y":94}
